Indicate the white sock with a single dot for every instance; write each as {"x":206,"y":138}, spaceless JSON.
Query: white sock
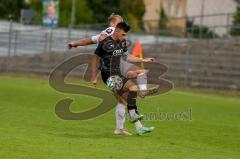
{"x":132,"y":113}
{"x":142,"y":81}
{"x":120,"y":116}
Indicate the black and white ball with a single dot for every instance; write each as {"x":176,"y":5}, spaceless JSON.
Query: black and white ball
{"x":115,"y":83}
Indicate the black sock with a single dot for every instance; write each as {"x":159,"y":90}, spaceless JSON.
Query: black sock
{"x":132,"y":101}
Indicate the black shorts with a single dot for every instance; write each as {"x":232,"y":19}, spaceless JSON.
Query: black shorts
{"x":105,"y":75}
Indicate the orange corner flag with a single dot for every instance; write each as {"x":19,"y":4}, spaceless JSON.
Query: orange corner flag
{"x":137,"y":50}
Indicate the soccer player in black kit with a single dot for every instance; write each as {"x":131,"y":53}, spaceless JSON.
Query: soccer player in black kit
{"x":113,"y":53}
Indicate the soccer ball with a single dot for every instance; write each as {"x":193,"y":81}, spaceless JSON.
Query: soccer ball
{"x":115,"y":83}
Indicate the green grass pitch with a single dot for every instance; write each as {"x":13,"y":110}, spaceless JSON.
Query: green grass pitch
{"x":29,"y":128}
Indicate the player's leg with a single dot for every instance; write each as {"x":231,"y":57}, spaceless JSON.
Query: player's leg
{"x":141,"y":77}
{"x":131,"y":89}
{"x":120,"y":116}
{"x":133,"y":73}
{"x":130,"y":70}
{"x":132,"y":107}
{"x":120,"y":108}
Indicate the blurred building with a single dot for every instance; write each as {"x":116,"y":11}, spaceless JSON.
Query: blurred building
{"x":221,"y":10}
{"x":172,"y":8}
{"x":176,"y":10}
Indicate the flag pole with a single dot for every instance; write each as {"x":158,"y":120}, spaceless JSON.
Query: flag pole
{"x":142,"y":63}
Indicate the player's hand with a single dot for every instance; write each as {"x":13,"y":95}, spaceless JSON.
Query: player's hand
{"x":71,"y":45}
{"x":149,"y":60}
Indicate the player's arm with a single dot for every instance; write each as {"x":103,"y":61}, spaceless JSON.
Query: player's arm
{"x":132,"y":58}
{"x":85,"y":41}
{"x":94,"y":66}
{"x":92,"y":40}
{"x":82,"y":42}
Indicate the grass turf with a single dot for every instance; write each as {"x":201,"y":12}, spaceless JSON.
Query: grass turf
{"x":29,"y":128}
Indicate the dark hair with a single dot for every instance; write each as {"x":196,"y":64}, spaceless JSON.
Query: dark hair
{"x":123,"y":26}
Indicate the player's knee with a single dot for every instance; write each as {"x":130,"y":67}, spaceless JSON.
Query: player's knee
{"x":122,"y":101}
{"x":133,"y":88}
{"x":131,"y":74}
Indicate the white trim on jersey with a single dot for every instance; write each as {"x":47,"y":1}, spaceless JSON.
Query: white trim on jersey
{"x":95,"y":38}
{"x":109,"y":31}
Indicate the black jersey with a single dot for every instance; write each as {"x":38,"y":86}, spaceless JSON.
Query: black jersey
{"x":111,"y":52}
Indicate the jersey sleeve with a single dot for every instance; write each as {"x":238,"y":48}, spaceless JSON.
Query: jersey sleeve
{"x":95,"y":38}
{"x":109,"y":31}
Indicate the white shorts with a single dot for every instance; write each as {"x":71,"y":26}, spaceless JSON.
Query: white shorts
{"x":124,"y":67}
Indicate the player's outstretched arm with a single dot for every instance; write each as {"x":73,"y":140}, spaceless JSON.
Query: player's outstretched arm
{"x":87,"y":41}
{"x":132,"y":58}
{"x":82,"y":42}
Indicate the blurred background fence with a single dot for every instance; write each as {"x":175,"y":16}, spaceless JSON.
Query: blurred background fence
{"x":198,"y":56}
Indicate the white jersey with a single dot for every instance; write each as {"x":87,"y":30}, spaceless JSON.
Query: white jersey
{"x":109,"y":31}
